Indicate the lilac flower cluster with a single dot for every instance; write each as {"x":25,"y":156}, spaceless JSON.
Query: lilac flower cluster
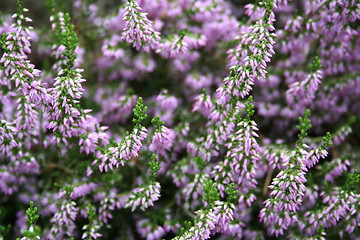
{"x":143,"y":197}
{"x":138,"y":29}
{"x":178,"y":119}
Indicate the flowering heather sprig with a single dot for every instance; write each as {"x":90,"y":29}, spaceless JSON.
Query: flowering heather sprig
{"x":214,"y":218}
{"x":151,"y":231}
{"x":65,"y":110}
{"x":17,"y":67}
{"x":91,"y":134}
{"x":238,"y":166}
{"x":340,"y":206}
{"x":352,"y":219}
{"x":63,"y":34}
{"x":144,"y":196}
{"x":243,"y":150}
{"x":65,"y":38}
{"x":255,"y":12}
{"x":335,"y":168}
{"x":67,"y":118}
{"x":21,"y":162}
{"x":193,"y":189}
{"x":203,"y":225}
{"x":174,"y":46}
{"x":33,"y":232}
{"x":177,"y":170}
{"x":163,"y":138}
{"x":93,"y":227}
{"x":20,"y":35}
{"x":287,"y":188}
{"x":219,"y":129}
{"x":343,"y":132}
{"x":276,"y":155}
{"x":243,"y":73}
{"x":345,"y":202}
{"x":124,"y":151}
{"x":114,"y":156}
{"x":58,"y":27}
{"x":82,"y":190}
{"x":138,"y":28}
{"x":63,"y":220}
{"x":8,"y":138}
{"x":314,"y":155}
{"x":211,"y":163}
{"x":309,"y":222}
{"x":27,"y":122}
{"x":107,"y":205}
{"x":225,"y":210}
{"x":203,"y":104}
{"x":205,"y":219}
{"x":301,"y":94}
{"x":255,"y":57}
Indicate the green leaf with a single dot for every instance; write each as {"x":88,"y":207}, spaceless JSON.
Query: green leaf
{"x":139,"y":112}
{"x":31,"y":214}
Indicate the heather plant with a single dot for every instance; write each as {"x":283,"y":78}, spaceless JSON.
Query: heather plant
{"x":179,"y":119}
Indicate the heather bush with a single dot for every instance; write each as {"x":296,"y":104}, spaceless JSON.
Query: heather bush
{"x":179,"y":119}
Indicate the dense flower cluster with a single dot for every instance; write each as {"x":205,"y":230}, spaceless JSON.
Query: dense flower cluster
{"x":180,"y":119}
{"x":138,"y":29}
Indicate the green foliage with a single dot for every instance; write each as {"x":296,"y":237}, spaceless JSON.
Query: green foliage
{"x":50,"y":4}
{"x":352,"y":120}
{"x":210,"y":192}
{"x":91,"y":213}
{"x":249,"y":108}
{"x":67,"y":188}
{"x":64,"y":34}
{"x":31,"y":214}
{"x":33,"y":233}
{"x":69,"y":40}
{"x":154,"y":166}
{"x":203,"y":91}
{"x":352,"y":181}
{"x":5,"y":231}
{"x":268,"y":5}
{"x":327,"y":141}
{"x":316,"y":64}
{"x":320,"y":233}
{"x":200,"y":162}
{"x":232,"y":193}
{"x":20,"y":8}
{"x":2,"y":41}
{"x":304,"y":126}
{"x":139,"y":112}
{"x":157,"y":122}
{"x":187,"y":226}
